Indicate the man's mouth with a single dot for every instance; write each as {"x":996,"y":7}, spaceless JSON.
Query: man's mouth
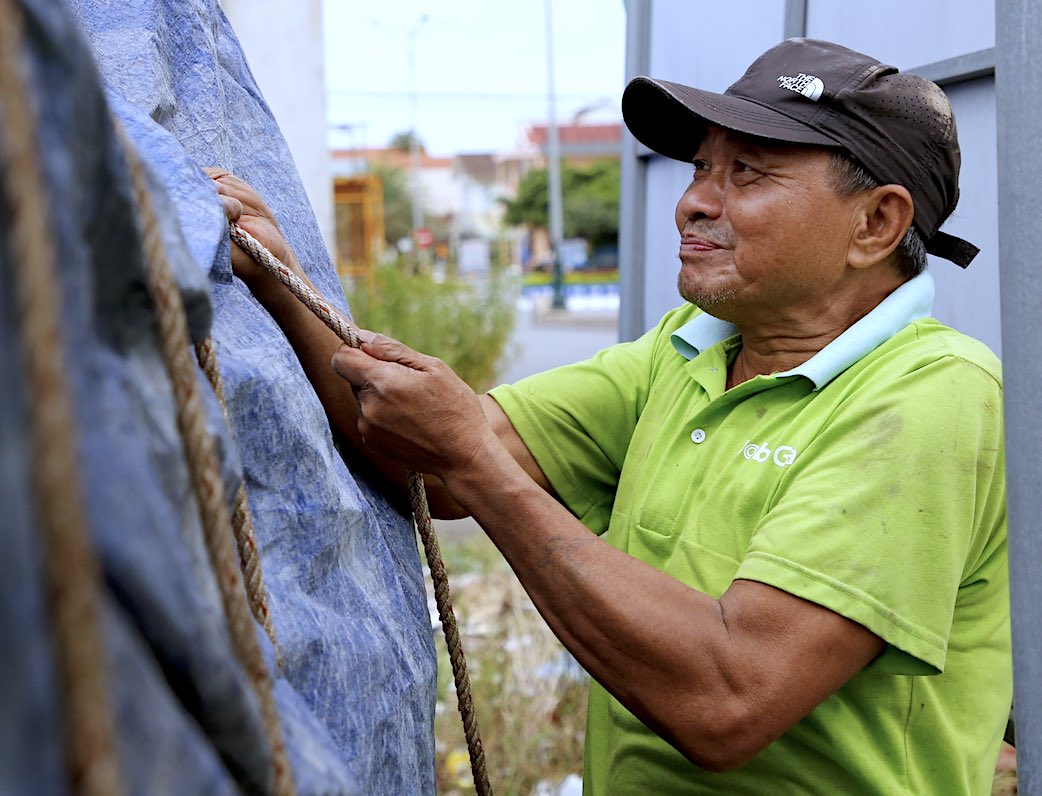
{"x":696,"y":243}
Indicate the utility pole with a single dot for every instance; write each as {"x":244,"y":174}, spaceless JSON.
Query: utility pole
{"x":1018,"y":38}
{"x":414,"y":137}
{"x":553,"y":153}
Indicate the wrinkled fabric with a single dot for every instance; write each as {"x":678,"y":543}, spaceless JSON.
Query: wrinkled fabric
{"x":356,"y":695}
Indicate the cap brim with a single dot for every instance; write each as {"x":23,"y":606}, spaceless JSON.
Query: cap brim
{"x":671,"y":118}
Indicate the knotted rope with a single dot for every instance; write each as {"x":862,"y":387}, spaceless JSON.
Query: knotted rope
{"x":242,"y":519}
{"x":70,"y":571}
{"x":203,"y":468}
{"x":421,"y":512}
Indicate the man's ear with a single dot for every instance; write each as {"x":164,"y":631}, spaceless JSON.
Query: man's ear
{"x":882,"y":217}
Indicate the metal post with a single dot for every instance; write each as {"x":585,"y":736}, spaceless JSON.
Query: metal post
{"x":1018,"y":102}
{"x":795,"y":19}
{"x":414,"y":136}
{"x":553,"y":147}
{"x":633,"y":198}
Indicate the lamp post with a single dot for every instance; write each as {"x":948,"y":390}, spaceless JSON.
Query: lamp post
{"x":553,"y":153}
{"x":414,"y":143}
{"x":415,"y":192}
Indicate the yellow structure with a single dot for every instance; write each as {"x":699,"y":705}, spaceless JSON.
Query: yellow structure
{"x":359,"y":214}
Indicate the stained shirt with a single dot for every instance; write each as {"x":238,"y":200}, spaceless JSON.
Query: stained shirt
{"x":869,"y":480}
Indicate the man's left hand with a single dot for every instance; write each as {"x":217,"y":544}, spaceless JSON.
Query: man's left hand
{"x":413,"y":408}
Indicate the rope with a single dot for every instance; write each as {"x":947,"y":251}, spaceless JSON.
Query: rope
{"x":425,"y":525}
{"x":172,"y":328}
{"x":70,"y":570}
{"x":242,"y":519}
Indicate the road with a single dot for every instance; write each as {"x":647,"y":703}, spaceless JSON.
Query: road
{"x":545,"y":339}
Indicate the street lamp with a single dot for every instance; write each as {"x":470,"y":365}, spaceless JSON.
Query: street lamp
{"x":553,"y":147}
{"x":414,"y":143}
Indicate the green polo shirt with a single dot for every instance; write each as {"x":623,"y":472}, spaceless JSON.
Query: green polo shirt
{"x":869,"y":480}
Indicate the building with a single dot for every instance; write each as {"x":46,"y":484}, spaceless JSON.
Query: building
{"x":292,"y":78}
{"x":462,"y":195}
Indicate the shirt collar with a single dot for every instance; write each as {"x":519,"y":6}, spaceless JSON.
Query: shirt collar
{"x":909,"y":302}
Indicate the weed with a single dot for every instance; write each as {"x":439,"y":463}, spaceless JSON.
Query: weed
{"x":466,"y":323}
{"x":529,"y":693}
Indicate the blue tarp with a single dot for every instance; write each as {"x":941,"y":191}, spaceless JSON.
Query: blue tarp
{"x":341,"y":563}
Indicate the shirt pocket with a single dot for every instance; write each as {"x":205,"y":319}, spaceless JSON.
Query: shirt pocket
{"x":701,"y":568}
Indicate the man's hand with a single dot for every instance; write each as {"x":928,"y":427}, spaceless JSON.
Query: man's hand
{"x":413,"y":408}
{"x":243,"y":205}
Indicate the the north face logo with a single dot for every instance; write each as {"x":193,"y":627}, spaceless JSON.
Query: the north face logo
{"x":807,"y":85}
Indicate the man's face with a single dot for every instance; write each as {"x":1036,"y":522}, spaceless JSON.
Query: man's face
{"x":763,"y":232}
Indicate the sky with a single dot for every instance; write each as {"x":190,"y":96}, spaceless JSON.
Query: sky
{"x":480,"y":69}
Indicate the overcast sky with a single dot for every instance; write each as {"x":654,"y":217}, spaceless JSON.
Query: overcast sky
{"x":481,"y":68}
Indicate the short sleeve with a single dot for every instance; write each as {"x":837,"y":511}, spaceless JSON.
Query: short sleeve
{"x":577,"y":420}
{"x":884,"y":516}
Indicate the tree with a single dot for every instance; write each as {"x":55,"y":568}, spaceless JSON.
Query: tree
{"x":403,"y":141}
{"x":397,"y":202}
{"x":590,"y":196}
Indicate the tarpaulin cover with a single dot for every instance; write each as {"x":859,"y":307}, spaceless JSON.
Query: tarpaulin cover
{"x":356,"y":697}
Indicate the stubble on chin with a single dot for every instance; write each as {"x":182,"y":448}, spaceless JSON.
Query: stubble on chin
{"x":703,"y":298}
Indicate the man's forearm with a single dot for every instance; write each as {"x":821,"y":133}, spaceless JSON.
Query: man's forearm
{"x":314,"y":344}
{"x":661,"y":648}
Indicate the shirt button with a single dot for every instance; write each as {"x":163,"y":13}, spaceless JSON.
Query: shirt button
{"x":698,"y":436}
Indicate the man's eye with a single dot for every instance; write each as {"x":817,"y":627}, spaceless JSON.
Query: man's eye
{"x":740,"y":166}
{"x":700,"y":166}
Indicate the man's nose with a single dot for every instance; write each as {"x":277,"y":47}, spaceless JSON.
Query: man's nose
{"x":703,"y":198}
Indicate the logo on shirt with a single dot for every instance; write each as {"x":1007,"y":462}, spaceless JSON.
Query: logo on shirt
{"x":807,"y":85}
{"x":783,"y":455}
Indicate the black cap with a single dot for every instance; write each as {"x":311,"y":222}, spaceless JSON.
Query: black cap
{"x":898,"y":126}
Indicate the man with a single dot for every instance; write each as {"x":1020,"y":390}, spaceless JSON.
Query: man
{"x":797,"y":577}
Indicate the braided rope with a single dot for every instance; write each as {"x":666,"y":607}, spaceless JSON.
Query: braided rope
{"x":70,"y":570}
{"x":172,"y":328}
{"x":425,"y":525}
{"x":242,"y":519}
{"x":453,"y":642}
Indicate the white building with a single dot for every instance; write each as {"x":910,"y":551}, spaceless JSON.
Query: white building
{"x":283,"y":45}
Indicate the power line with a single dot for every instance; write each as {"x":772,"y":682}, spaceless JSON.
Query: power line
{"x":469,"y":96}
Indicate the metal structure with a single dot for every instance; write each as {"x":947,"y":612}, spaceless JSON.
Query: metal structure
{"x":992,"y":81}
{"x":414,"y":134}
{"x":358,"y":211}
{"x":1018,"y":40}
{"x":553,"y":157}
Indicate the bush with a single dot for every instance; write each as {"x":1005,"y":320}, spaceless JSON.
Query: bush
{"x":465,"y":323}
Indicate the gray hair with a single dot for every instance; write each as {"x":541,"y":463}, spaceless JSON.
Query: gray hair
{"x":848,"y":178}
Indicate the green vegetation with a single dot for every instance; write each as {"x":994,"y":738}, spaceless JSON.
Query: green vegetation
{"x":402,"y":141}
{"x":591,"y":202}
{"x":397,"y":207}
{"x":537,"y":278}
{"x":467,"y":324}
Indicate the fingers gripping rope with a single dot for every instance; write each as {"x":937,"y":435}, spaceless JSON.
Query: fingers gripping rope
{"x":421,"y":512}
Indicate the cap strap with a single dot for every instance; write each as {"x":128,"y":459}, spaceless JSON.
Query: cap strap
{"x":949,"y":247}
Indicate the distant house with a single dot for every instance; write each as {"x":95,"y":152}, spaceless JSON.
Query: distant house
{"x":480,"y":215}
{"x":465,"y":191}
{"x":580,"y":143}
{"x":439,"y":189}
